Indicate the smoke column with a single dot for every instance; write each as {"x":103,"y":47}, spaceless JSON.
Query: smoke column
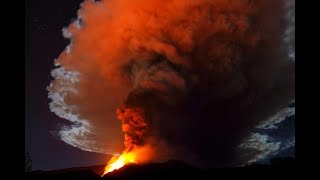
{"x":190,"y":79}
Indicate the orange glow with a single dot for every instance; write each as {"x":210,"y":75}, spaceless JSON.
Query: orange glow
{"x":140,"y":154}
{"x":118,"y":162}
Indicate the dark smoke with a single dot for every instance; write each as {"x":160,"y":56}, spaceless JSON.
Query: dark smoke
{"x":196,"y":76}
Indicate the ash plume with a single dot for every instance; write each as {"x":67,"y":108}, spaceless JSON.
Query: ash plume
{"x":190,"y":79}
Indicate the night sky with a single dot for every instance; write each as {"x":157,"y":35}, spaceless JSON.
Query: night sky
{"x":44,"y":42}
{"x":44,"y":20}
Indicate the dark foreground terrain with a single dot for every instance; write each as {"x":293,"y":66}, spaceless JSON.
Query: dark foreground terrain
{"x":169,"y":170}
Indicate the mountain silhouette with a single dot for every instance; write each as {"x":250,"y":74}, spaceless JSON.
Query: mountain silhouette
{"x":167,"y":170}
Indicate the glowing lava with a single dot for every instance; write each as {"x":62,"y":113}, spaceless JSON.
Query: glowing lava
{"x":118,"y":162}
{"x":138,"y":155}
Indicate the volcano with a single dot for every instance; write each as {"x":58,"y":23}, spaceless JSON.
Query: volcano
{"x":167,"y":170}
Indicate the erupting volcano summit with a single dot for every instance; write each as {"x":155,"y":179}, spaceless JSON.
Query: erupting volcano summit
{"x":174,"y":79}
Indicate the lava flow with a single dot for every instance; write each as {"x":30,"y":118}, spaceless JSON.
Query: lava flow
{"x":118,"y":162}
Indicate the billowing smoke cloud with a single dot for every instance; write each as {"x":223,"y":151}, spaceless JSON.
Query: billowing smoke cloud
{"x":190,"y":79}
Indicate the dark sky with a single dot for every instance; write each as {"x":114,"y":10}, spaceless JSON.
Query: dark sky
{"x":44,"y":20}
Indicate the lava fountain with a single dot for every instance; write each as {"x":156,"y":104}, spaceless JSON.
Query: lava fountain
{"x":117,"y":162}
{"x":139,"y":154}
{"x":134,"y":127}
